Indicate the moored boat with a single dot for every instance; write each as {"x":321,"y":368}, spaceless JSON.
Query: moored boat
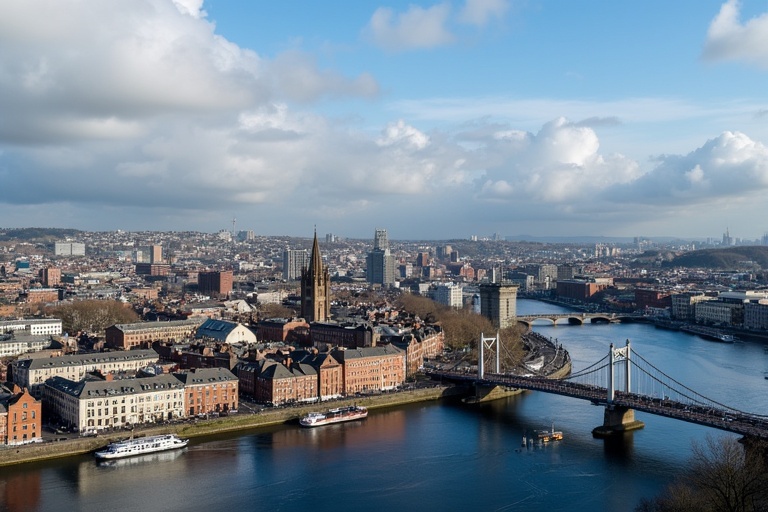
{"x":141,"y":446}
{"x":337,"y":415}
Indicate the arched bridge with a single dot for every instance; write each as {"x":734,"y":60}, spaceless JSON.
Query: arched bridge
{"x":577,"y":318}
{"x":643,"y":388}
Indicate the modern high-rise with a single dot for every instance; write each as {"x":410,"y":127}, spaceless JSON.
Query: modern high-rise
{"x":156,"y":254}
{"x":315,"y":288}
{"x":498,"y":302}
{"x":293,"y":262}
{"x":380,"y":264}
{"x":69,"y":249}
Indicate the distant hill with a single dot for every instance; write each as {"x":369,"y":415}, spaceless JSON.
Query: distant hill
{"x":45,"y":235}
{"x":730,"y":258}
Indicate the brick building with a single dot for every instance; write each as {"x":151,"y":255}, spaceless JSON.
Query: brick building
{"x":578,"y":289}
{"x":282,"y":330}
{"x":153,"y":269}
{"x":371,"y":369}
{"x":20,"y":416}
{"x":215,"y":284}
{"x":51,"y":277}
{"x":285,"y":382}
{"x":142,"y":334}
{"x":342,"y":335}
{"x":209,"y":390}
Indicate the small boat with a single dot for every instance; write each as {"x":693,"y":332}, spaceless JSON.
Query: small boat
{"x":141,"y":446}
{"x":337,"y":415}
{"x":546,"y":436}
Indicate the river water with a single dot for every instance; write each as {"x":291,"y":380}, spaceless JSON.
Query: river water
{"x":435,"y":456}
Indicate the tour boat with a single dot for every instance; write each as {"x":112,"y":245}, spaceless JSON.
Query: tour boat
{"x":338,"y":415}
{"x":546,"y":436}
{"x":141,"y":446}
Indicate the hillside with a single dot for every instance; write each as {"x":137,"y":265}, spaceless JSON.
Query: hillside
{"x":731,"y":258}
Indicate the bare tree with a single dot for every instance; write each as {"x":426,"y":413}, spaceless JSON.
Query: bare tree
{"x":723,"y":477}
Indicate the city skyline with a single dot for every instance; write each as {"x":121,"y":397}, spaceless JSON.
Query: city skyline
{"x":438,"y":120}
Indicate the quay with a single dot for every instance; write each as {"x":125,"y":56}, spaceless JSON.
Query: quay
{"x":241,"y":421}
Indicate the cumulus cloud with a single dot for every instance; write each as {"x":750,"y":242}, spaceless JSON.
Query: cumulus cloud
{"x":415,"y":28}
{"x":730,"y":39}
{"x":730,"y":165}
{"x":430,"y":27}
{"x":560,"y":163}
{"x":105,"y":68}
{"x":480,"y":12}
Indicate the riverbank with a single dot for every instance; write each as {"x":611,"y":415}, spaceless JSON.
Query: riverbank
{"x":236,"y":422}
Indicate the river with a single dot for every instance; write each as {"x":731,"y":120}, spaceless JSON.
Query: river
{"x":434,"y":456}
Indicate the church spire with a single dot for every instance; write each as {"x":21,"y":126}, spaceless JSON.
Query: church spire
{"x":316,"y":260}
{"x":315,"y":287}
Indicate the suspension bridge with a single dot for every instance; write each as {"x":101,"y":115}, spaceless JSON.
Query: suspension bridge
{"x":622,"y":381}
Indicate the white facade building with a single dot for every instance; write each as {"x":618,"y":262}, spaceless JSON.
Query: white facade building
{"x":35,"y":327}
{"x":449,"y":294}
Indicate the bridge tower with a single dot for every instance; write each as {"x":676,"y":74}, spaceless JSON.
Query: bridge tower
{"x":618,"y":418}
{"x":488,"y":343}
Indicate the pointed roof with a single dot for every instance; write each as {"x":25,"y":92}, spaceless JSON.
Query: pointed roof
{"x":316,"y":260}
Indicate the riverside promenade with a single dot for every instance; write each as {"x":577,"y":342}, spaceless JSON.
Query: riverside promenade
{"x":544,"y":357}
{"x":241,"y":421}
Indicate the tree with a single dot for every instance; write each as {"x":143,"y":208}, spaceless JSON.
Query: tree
{"x":93,"y":315}
{"x":723,"y":477}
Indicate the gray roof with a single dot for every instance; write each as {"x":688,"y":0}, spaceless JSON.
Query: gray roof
{"x":216,"y":329}
{"x":103,"y":388}
{"x":363,"y":352}
{"x":205,"y":376}
{"x":85,"y":359}
{"x":141,"y":326}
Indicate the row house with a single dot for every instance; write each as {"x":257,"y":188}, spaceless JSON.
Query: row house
{"x":142,"y":334}
{"x":20,"y":417}
{"x":90,"y":405}
{"x":285,"y":382}
{"x":330,"y":378}
{"x":32,"y":373}
{"x":371,"y":369}
{"x":209,"y":390}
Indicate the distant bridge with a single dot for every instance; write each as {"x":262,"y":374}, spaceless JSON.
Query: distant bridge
{"x":578,"y":318}
{"x":649,"y":391}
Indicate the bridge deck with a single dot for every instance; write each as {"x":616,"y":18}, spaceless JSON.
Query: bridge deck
{"x":723,"y":419}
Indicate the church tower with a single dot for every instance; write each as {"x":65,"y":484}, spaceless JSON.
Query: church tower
{"x":315,"y":288}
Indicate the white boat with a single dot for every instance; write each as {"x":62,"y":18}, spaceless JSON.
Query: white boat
{"x":338,"y":415}
{"x":141,"y":446}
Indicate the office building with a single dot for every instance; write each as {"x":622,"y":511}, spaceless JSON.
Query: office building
{"x":293,"y":263}
{"x":380,"y":264}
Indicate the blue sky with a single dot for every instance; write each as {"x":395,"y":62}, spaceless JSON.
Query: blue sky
{"x":429,"y":119}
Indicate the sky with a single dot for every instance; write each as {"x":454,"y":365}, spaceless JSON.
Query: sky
{"x":433,"y":120}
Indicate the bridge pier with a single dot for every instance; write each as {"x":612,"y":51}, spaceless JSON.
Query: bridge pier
{"x":617,"y":420}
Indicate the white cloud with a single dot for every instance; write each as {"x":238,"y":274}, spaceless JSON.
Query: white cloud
{"x":729,"y":39}
{"x":112,"y":67}
{"x":560,"y":163}
{"x":480,"y":12}
{"x":416,"y":28}
{"x":728,"y":166}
